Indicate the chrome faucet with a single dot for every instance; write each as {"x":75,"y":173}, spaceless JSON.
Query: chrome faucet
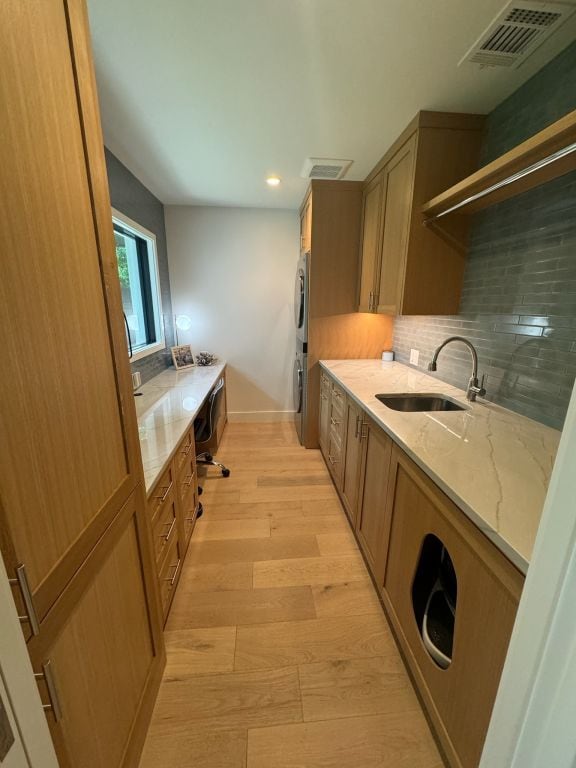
{"x":474,"y":388}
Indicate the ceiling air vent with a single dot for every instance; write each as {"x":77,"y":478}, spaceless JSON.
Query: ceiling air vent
{"x":520,"y":28}
{"x":325,"y":168}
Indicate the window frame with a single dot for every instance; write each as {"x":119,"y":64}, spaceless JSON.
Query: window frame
{"x":139,"y":231}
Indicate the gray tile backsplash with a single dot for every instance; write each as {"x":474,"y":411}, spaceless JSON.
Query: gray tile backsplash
{"x":518,"y":303}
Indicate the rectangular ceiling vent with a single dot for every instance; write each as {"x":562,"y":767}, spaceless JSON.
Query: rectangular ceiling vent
{"x":520,"y":28}
{"x":325,"y":168}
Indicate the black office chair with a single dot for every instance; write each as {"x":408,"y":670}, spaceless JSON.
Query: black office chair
{"x":205,"y":426}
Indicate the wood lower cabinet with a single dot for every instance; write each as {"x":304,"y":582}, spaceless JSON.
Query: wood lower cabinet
{"x":403,"y":521}
{"x":372,"y":521}
{"x":459,"y":699}
{"x":106,"y":658}
{"x":352,"y":458}
{"x":324,"y":414}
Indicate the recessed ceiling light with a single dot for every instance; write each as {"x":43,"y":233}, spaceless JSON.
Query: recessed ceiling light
{"x":273,"y":181}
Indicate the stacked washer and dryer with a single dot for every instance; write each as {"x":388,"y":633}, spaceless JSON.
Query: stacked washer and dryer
{"x":300,"y":363}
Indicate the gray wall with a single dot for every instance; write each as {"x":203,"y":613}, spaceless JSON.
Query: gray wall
{"x":132,"y":198}
{"x":519,"y":298}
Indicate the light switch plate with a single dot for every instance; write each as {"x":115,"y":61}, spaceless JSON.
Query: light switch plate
{"x":414,"y":356}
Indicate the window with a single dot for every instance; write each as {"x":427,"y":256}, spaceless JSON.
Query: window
{"x":138,"y":273}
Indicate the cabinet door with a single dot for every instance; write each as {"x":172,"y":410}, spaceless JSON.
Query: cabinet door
{"x":102,"y":651}
{"x":460,"y":698}
{"x":324,"y":411}
{"x":395,"y":227}
{"x":69,"y":454}
{"x":372,"y":525}
{"x":370,"y":247}
{"x":352,"y":458}
{"x":306,"y":225}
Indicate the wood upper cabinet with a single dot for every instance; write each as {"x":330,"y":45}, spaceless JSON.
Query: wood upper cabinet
{"x":306,"y":224}
{"x":370,"y":247}
{"x":352,"y":458}
{"x":405,"y":267}
{"x":459,"y":699}
{"x":372,"y":521}
{"x":69,"y":455}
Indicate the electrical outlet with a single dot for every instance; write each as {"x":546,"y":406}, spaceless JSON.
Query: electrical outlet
{"x":136,"y":380}
{"x":414,"y":356}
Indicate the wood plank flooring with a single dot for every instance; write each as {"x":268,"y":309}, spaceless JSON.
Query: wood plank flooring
{"x":279,"y":655}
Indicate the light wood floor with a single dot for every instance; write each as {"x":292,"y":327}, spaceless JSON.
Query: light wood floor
{"x":279,"y":655}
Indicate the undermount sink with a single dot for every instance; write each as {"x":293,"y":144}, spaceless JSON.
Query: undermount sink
{"x":420,"y":402}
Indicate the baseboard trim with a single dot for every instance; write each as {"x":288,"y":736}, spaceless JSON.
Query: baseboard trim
{"x":266,"y":416}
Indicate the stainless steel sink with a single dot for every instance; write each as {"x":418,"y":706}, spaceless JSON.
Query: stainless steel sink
{"x":420,"y":402}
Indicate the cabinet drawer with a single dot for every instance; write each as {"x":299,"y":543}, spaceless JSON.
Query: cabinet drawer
{"x":164,"y":528}
{"x":189,"y":512}
{"x":169,"y":575}
{"x":185,"y":449}
{"x":335,"y":459}
{"x":161,"y":494}
{"x":187,"y":475}
{"x":338,"y":400}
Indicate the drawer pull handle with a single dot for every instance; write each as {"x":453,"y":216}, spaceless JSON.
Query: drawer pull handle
{"x":336,"y":393}
{"x":186,"y":449}
{"x":335,"y":422}
{"x":165,"y":494}
{"x":48,"y":676}
{"x":176,"y":569}
{"x":332,"y":460}
{"x":166,"y":536}
{"x":357,"y":433}
{"x":188,"y":481}
{"x":30,"y":617}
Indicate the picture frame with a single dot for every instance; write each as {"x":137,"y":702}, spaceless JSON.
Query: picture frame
{"x":182,"y":356}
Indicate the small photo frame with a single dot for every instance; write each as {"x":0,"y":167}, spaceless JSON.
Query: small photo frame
{"x":182,"y":356}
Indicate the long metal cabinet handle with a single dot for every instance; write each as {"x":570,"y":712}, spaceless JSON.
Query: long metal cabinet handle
{"x":166,"y":492}
{"x":177,"y":566}
{"x":166,"y":536}
{"x":22,"y":581}
{"x":48,"y":676}
{"x":357,"y":433}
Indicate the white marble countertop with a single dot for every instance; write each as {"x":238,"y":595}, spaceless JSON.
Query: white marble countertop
{"x":168,"y":405}
{"x":494,"y":464}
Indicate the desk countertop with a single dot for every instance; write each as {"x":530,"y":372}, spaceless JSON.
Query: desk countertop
{"x":494,"y":464}
{"x":167,"y":407}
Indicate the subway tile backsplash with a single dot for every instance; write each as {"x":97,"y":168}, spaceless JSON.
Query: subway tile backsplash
{"x":518,"y":303}
{"x":518,"y":306}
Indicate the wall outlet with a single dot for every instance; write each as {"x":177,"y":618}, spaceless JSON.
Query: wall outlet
{"x":414,"y":356}
{"x":136,"y":380}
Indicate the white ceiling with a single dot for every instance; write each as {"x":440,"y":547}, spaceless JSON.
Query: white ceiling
{"x":202,"y":99}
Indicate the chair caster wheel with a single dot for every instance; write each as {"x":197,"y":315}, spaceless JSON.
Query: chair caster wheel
{"x":200,"y":490}
{"x":209,"y":457}
{"x":225,"y":473}
{"x":200,"y":511}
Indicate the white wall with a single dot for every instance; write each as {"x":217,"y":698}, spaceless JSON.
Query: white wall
{"x":232,"y":271}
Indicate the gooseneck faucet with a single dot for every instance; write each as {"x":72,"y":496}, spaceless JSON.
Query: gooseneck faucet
{"x":474,"y":388}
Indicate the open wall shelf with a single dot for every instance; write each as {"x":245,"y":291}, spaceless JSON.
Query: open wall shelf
{"x":541,"y":158}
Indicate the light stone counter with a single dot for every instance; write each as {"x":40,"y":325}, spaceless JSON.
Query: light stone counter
{"x":494,"y":464}
{"x":167,"y":407}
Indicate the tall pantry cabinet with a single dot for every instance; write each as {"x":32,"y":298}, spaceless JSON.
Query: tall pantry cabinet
{"x":73,"y":530}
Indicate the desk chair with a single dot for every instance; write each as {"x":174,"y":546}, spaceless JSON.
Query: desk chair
{"x":205,"y":426}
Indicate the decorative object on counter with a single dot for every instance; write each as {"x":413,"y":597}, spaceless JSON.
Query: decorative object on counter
{"x":182,"y":356}
{"x":205,"y":358}
{"x":387,"y":357}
